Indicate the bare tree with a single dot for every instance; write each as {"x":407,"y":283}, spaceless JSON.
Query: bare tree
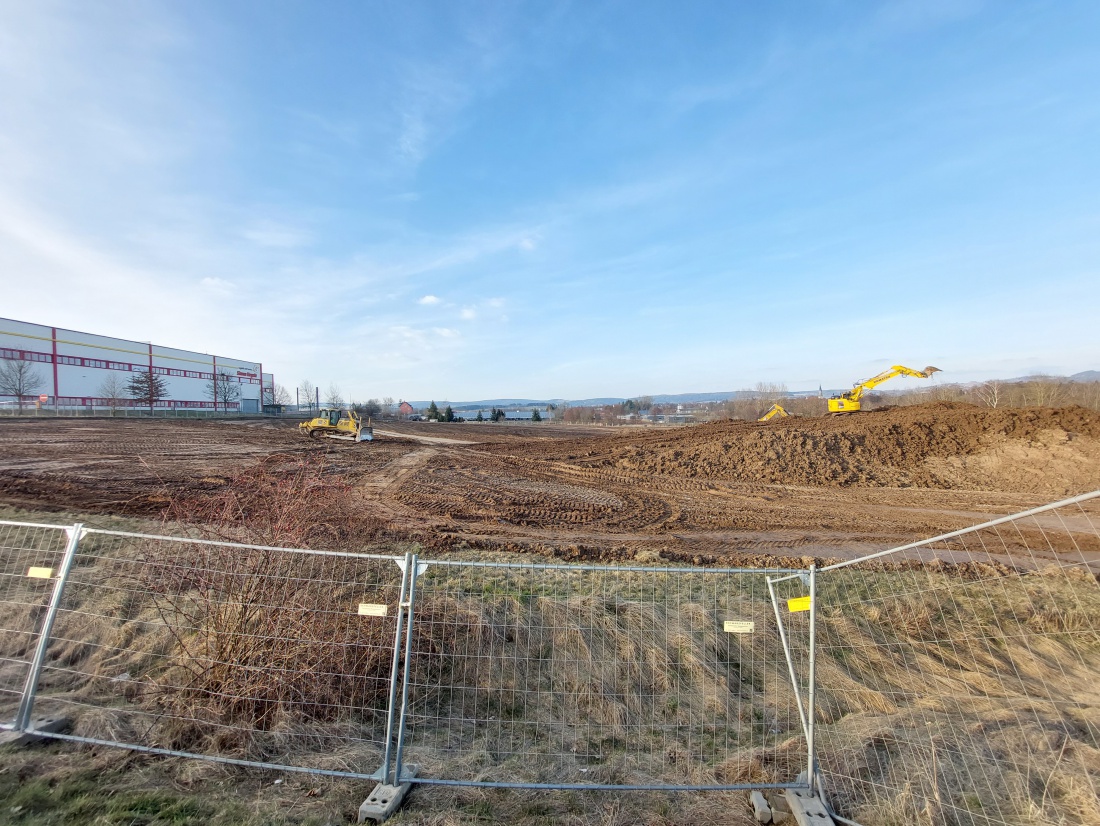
{"x":307,"y":393}
{"x":770,"y":391}
{"x":147,"y":388}
{"x":223,"y":389}
{"x":113,"y":390}
{"x":334,"y":397}
{"x":371,"y":408}
{"x":282,"y":396}
{"x":990,"y":393}
{"x":1046,"y":391}
{"x":19,"y":378}
{"x":388,"y":408}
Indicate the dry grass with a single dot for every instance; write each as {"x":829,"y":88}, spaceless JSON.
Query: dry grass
{"x":992,"y":689}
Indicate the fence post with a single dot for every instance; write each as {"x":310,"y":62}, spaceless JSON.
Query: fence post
{"x":391,"y":710}
{"x":811,"y":767}
{"x":790,"y":662}
{"x":417,"y":570}
{"x":392,"y":787}
{"x":30,"y":688}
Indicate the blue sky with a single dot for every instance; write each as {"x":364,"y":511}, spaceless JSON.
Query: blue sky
{"x":560,"y":199}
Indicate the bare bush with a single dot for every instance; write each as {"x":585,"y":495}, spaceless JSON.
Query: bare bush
{"x":19,"y":378}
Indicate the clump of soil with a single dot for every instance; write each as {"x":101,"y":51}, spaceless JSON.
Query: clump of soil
{"x":944,"y":445}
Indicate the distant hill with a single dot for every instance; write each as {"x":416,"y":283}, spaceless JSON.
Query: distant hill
{"x":662,"y":398}
{"x":672,"y":398}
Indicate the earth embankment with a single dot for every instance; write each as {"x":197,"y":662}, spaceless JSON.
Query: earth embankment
{"x":1054,"y":451}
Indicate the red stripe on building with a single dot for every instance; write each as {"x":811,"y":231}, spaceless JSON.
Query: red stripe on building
{"x":53,"y":341}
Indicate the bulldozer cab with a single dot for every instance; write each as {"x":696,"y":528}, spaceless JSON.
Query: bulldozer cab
{"x":333,"y":417}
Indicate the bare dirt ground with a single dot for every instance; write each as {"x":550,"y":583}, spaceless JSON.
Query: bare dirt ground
{"x":726,"y":492}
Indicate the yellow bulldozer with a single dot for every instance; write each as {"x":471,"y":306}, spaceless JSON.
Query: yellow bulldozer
{"x":849,"y":402}
{"x":345,"y":425}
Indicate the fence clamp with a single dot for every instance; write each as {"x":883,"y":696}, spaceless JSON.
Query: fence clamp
{"x":69,"y":533}
{"x":421,"y":567}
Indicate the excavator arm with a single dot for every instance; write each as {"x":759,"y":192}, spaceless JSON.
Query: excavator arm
{"x":849,"y":402}
{"x":776,"y":410}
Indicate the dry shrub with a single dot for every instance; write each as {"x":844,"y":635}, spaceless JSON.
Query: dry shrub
{"x":262,"y":634}
{"x":266,"y":638}
{"x":282,"y":500}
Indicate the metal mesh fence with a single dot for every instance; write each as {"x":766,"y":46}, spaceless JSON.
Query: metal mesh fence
{"x":600,"y":677}
{"x":249,"y":654}
{"x":952,"y":681}
{"x":959,"y":679}
{"x":29,"y":559}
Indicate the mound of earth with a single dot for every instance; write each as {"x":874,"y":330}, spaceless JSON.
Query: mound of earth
{"x":942,"y":445}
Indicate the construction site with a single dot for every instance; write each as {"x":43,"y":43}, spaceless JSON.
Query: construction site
{"x":719,"y":493}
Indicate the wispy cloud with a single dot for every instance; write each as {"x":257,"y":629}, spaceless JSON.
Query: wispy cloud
{"x":429,"y":300}
{"x":912,"y":16}
{"x":274,"y":234}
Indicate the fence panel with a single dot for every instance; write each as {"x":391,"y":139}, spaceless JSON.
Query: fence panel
{"x":600,"y":677}
{"x":30,"y":556}
{"x":959,"y":678}
{"x":228,"y":652}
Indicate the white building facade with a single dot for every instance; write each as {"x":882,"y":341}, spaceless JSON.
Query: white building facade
{"x":71,"y":368}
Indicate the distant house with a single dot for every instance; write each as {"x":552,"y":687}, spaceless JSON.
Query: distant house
{"x":405,"y":409}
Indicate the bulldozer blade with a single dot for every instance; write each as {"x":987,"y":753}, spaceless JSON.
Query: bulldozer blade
{"x":340,"y":437}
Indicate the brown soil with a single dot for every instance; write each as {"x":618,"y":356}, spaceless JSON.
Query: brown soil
{"x":731,"y":492}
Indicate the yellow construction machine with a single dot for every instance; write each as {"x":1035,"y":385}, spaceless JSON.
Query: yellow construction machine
{"x":345,"y":425}
{"x":777,"y":410}
{"x":849,"y":402}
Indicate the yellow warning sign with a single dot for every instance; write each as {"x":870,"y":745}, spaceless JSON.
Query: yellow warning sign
{"x":738,"y":627}
{"x":798,"y":604}
{"x":40,"y":573}
{"x":371,"y":609}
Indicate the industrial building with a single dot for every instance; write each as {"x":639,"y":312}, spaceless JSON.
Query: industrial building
{"x":72,"y":370}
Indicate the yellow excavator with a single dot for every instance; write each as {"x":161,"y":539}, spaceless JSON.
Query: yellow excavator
{"x":777,"y":410}
{"x":345,"y":425}
{"x":849,"y":402}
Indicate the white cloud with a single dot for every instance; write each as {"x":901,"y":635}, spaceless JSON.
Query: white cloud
{"x":445,"y":332}
{"x":527,"y":244}
{"x":429,"y":300}
{"x":219,"y":286}
{"x":468,"y":313}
